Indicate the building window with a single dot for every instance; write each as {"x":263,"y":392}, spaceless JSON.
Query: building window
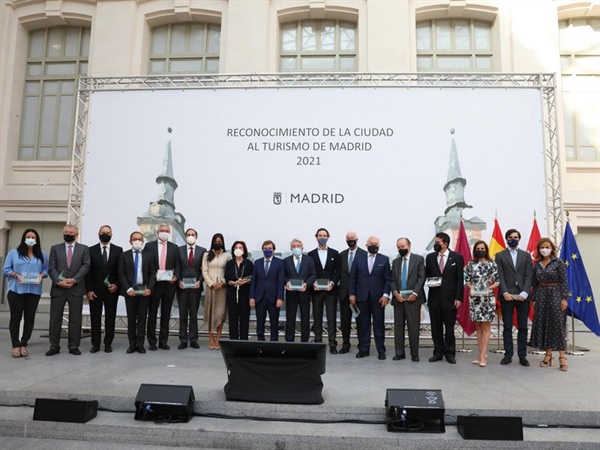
{"x":185,"y":48}
{"x":454,"y":45}
{"x":55,"y":60}
{"x":318,"y":45}
{"x":580,"y":68}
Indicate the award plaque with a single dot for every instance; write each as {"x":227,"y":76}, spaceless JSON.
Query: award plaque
{"x":188,"y":283}
{"x":355,"y":310}
{"x":30,"y":278}
{"x":433,"y":282}
{"x":139,"y":289}
{"x":406,"y":294}
{"x":107,"y":281}
{"x":164,"y":275}
{"x":322,"y":284}
{"x":480,"y":291}
{"x":62,"y":276}
{"x":296,"y":284}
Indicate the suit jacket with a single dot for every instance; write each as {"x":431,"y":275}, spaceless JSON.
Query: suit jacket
{"x":415,"y":279}
{"x":80,"y":265}
{"x":267,"y":287}
{"x":195,"y":270}
{"x":127,"y":268}
{"x":307,"y":273}
{"x":345,"y":272}
{"x":452,"y":287}
{"x":514,"y":280}
{"x":332,"y":269}
{"x":172,"y":262}
{"x":94,"y":280}
{"x":375,"y":284}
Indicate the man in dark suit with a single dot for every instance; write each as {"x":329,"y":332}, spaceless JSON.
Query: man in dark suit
{"x":298,"y":267}
{"x":347,"y":258}
{"x":137,"y":277}
{"x":188,"y":298}
{"x":444,"y":299}
{"x":102,"y":288}
{"x":370,"y":279}
{"x":327,"y":263}
{"x":165,"y":257}
{"x":68,"y":265}
{"x":408,"y":279}
{"x":266,"y":291}
{"x":515,"y":273}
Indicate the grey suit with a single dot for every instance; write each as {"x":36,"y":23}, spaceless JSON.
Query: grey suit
{"x":514,"y":280}
{"x":345,"y":311}
{"x":408,"y":312}
{"x":57,"y":266}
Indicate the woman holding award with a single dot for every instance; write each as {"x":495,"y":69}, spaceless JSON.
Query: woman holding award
{"x":25,"y":267}
{"x":481,"y":275}
{"x":238,"y":272}
{"x":213,"y":271}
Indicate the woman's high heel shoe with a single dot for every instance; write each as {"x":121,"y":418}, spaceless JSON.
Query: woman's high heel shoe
{"x":547,"y":361}
{"x":563,"y":364}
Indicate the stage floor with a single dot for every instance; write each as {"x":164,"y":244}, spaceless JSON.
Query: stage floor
{"x":354,"y":389}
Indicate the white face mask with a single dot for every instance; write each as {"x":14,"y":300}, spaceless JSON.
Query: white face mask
{"x":190,"y":240}
{"x":545,"y":251}
{"x":163,"y":236}
{"x":30,"y":242}
{"x":137,"y":245}
{"x":238,"y":252}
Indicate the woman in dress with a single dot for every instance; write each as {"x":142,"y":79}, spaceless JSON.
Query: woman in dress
{"x":481,"y":276}
{"x":213,"y":271}
{"x":550,"y":294}
{"x":238,"y":273}
{"x":25,"y":267}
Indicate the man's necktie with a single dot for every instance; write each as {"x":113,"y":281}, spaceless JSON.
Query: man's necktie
{"x":350,"y":260}
{"x":136,"y":263}
{"x":297,"y":265}
{"x":404,"y":274}
{"x":163,"y":256}
{"x":442,"y":263}
{"x":267,"y":264}
{"x":69,"y":256}
{"x":371,"y":262}
{"x":191,"y":256}
{"x":104,"y":255}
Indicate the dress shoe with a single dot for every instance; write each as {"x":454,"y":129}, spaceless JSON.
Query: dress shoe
{"x":362,"y":355}
{"x":344,"y":350}
{"x":164,"y":347}
{"x":95,"y":349}
{"x":435,"y":358}
{"x":399,"y":357}
{"x":131,"y":349}
{"x":506,"y":360}
{"x":451,"y":359}
{"x":140,"y":349}
{"x":107,"y":349}
{"x":333,"y":351}
{"x":181,"y":346}
{"x":75,"y":351}
{"x":52,"y":352}
{"x":195,"y":345}
{"x":414,"y":358}
{"x":524,"y":362}
{"x":381,"y":356}
{"x":152,"y":347}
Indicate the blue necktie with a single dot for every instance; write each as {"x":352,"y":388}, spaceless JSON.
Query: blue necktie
{"x":404,"y":274}
{"x":136,"y":263}
{"x":297,"y":265}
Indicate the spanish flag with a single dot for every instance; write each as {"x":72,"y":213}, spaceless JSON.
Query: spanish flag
{"x":497,"y":243}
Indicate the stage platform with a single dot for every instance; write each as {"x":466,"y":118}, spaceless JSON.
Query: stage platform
{"x":354,"y":391}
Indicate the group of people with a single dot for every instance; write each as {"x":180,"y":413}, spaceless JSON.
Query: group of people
{"x":360,"y":281}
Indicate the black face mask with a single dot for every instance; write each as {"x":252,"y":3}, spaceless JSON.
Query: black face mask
{"x":480,"y":253}
{"x":403,"y":252}
{"x":68,"y":238}
{"x":351,"y":242}
{"x":437,"y":247}
{"x":104,"y":238}
{"x":217,"y":246}
{"x":373,"y":249}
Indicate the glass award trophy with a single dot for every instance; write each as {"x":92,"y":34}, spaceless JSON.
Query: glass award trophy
{"x":481,"y":289}
{"x":188,"y":283}
{"x":164,"y":275}
{"x":406,"y":293}
{"x":30,"y":278}
{"x":107,"y":281}
{"x":433,"y":282}
{"x":355,"y":310}
{"x":322,"y":284}
{"x":296,"y":284}
{"x":139,"y":289}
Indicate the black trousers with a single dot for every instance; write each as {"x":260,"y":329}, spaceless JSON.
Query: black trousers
{"x":329,"y":300}
{"x":162,"y":296}
{"x":371,"y":308}
{"x":238,"y":311}
{"x":442,"y":331}
{"x":188,"y":301}
{"x":522,"y":309}
{"x":57,"y":309}
{"x":137,"y":310}
{"x":295,"y":300}
{"x":345,"y":321}
{"x":109,"y":302}
{"x":21,"y":306}
{"x":261,"y":316}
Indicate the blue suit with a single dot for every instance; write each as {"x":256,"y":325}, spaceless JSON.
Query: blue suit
{"x":368,"y":289}
{"x":293,"y":299}
{"x":266,"y":289}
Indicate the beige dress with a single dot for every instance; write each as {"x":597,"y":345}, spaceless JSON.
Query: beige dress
{"x":215,"y":305}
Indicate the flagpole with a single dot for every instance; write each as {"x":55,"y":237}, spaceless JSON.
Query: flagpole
{"x":498,"y":350}
{"x":463,"y":349}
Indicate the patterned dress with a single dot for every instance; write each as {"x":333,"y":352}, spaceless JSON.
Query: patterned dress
{"x":549,"y":330}
{"x":481,"y":275}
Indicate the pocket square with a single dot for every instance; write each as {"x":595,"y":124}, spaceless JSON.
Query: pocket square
{"x":453,"y":265}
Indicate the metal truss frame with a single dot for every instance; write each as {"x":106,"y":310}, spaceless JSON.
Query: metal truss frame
{"x":545,"y":82}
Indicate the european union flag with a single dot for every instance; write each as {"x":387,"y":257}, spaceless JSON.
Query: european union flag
{"x":581,"y":298}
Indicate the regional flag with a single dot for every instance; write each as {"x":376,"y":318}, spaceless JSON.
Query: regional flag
{"x":534,"y":237}
{"x":581,"y":299}
{"x":497,"y":244}
{"x":462,"y":315}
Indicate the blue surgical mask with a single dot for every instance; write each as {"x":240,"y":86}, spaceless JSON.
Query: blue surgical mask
{"x":268,"y":252}
{"x":322,"y":241}
{"x":297,"y":251}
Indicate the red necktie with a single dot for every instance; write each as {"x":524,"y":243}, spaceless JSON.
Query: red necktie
{"x":191,"y":257}
{"x":69,"y":256}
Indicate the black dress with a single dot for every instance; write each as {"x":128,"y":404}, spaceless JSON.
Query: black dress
{"x":238,"y":298}
{"x":549,"y":330}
